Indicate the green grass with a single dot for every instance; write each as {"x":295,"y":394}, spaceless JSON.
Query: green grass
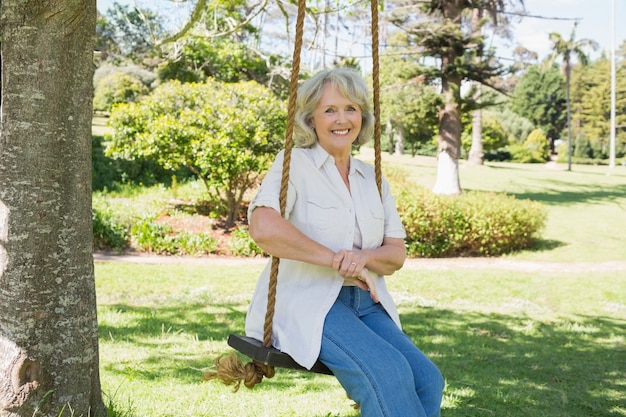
{"x":509,"y":342}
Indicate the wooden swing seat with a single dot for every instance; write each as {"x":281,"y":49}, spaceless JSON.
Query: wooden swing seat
{"x":255,"y":350}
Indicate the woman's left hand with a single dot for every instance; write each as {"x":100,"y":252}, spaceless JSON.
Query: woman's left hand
{"x":365,"y":276}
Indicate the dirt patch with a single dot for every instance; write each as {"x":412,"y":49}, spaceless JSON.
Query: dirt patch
{"x":201,"y":224}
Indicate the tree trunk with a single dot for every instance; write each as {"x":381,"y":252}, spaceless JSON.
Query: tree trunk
{"x":476,"y":154}
{"x":449,"y":149}
{"x":449,"y":138}
{"x":390,"y":136}
{"x":48,"y":325}
{"x":400,"y":140}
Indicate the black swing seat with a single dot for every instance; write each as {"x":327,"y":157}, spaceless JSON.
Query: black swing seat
{"x":255,"y":350}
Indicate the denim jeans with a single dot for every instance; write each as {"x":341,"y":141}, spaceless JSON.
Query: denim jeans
{"x":376,"y":363}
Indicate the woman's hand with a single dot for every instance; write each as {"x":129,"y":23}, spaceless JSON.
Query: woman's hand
{"x":366,"y":282}
{"x":351,"y":266}
{"x":365,"y":277}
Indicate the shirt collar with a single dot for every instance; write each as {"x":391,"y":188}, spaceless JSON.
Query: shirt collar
{"x":320,"y":157}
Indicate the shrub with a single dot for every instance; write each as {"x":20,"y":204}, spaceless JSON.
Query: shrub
{"x":115,"y":89}
{"x":516,"y":127}
{"x":150,"y":235}
{"x":108,"y":233}
{"x":472,"y":224}
{"x":146,"y":77}
{"x":535,"y":148}
{"x":241,"y":244}
{"x":226,"y":134}
{"x":493,"y":135}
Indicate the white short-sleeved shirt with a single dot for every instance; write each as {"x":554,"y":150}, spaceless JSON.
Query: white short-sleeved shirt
{"x":320,"y":205}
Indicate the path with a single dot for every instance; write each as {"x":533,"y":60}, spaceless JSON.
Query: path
{"x":416,"y":264}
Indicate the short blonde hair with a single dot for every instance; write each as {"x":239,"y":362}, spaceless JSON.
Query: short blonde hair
{"x":350,"y":84}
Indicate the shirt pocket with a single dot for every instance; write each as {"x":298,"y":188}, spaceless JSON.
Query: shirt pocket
{"x":324,"y":215}
{"x":372,"y":226}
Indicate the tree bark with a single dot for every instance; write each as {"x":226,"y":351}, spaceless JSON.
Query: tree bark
{"x":48,"y":325}
{"x":449,"y":148}
{"x":476,"y":154}
{"x":400,"y":140}
{"x":449,"y":138}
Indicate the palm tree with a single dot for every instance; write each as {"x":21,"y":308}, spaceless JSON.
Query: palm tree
{"x":566,"y":48}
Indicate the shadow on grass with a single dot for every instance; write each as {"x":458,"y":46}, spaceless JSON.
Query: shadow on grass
{"x":494,"y":364}
{"x":503,"y":365}
{"x":557,"y":191}
{"x":157,"y":329}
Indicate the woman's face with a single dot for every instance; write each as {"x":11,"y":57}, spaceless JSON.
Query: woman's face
{"x":336,"y":120}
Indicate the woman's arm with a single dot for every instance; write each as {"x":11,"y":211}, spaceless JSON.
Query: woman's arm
{"x":384,"y":260}
{"x":280,"y":238}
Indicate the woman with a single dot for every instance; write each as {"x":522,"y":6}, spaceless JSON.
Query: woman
{"x":337,"y":228}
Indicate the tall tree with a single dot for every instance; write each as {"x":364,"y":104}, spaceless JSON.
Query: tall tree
{"x":476,"y":154}
{"x":444,"y":35}
{"x":408,"y":105}
{"x":48,"y":326}
{"x":128,"y":32}
{"x":483,"y":13}
{"x":591,"y":103}
{"x":568,"y":49}
{"x":539,"y":97}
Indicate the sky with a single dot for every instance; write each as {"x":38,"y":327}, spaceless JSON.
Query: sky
{"x":595,"y":23}
{"x":594,"y":16}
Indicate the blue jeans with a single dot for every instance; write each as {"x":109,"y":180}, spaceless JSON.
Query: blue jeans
{"x":376,"y":363}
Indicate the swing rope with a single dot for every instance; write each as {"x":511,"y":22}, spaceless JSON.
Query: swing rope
{"x":229,"y":369}
{"x":376,"y":97}
{"x":284,"y":182}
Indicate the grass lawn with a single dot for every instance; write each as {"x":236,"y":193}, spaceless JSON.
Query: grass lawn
{"x":509,"y":342}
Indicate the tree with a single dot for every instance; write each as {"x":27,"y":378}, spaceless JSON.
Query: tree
{"x":443,"y":35}
{"x":590,"y":98}
{"x":48,"y":326}
{"x":478,"y":22}
{"x":128,"y":32}
{"x":408,"y":106}
{"x":539,"y":97}
{"x":226,"y":134}
{"x":567,"y":48}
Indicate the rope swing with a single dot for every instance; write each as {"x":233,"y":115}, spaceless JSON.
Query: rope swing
{"x":265,"y":358}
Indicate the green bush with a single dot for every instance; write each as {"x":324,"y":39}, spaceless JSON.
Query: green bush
{"x":115,"y":89}
{"x":108,"y":233}
{"x":472,"y":224}
{"x":226,"y":134}
{"x":493,"y":134}
{"x":535,"y":148}
{"x":149,"y":235}
{"x":195,"y":243}
{"x":241,"y":244}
